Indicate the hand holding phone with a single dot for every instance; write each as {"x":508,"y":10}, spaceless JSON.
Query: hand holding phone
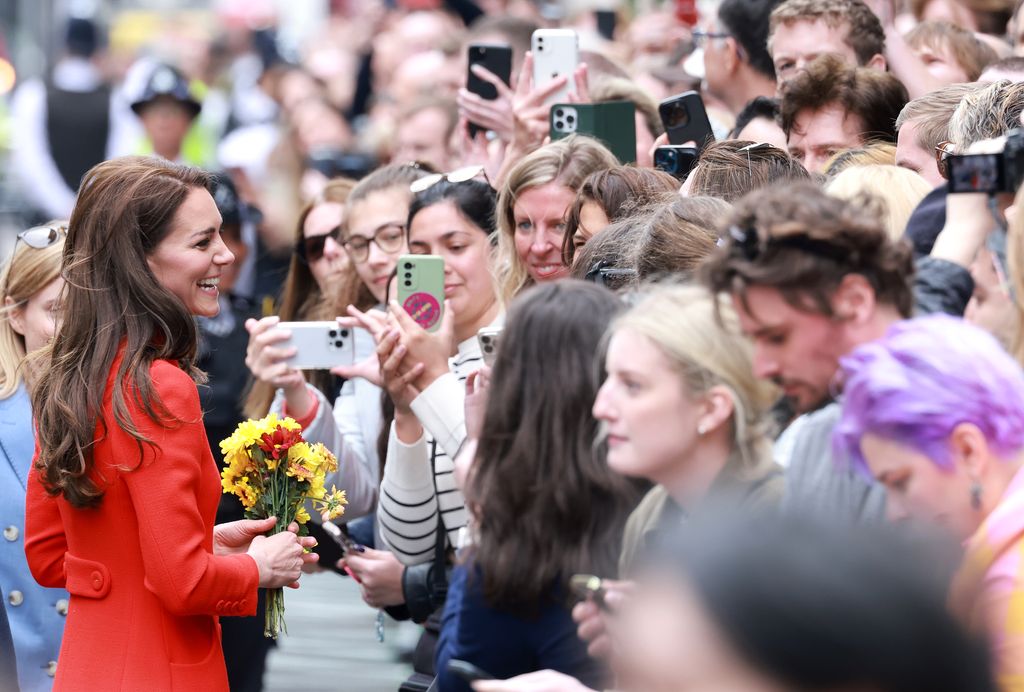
{"x":587,"y":587}
{"x":421,"y":289}
{"x":488,"y":339}
{"x":686,"y":120}
{"x":320,"y":345}
{"x":555,"y":54}
{"x":497,"y":60}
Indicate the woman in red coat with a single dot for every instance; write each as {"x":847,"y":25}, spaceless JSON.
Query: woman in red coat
{"x":123,"y":491}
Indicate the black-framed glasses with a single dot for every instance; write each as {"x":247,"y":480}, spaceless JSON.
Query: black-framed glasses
{"x":390,"y":238}
{"x":459,"y":175}
{"x":311,"y":248}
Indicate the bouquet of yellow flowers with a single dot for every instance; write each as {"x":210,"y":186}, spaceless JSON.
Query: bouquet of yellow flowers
{"x":274,"y":471}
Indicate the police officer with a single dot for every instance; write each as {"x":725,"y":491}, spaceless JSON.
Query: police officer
{"x":168,"y":108}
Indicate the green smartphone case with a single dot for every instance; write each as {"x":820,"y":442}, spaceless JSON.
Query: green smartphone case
{"x":613,"y":123}
{"x":421,"y":289}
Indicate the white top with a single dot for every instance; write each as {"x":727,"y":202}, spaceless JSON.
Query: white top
{"x":419,"y":479}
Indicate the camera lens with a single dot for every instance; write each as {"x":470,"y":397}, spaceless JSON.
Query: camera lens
{"x":488,"y":348}
{"x":408,"y":265}
{"x":570,"y":119}
{"x":678,"y":116}
{"x":333,"y":333}
{"x":408,"y":275}
{"x":344,"y":333}
{"x":339,"y":343}
{"x":558,"y":112}
{"x":408,"y":283}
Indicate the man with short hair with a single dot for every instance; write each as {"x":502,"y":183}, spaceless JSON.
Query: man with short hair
{"x":812,"y":278}
{"x":923,"y":125}
{"x":801,"y":30}
{"x":425,"y":133}
{"x":830,"y":106}
{"x":737,"y":65}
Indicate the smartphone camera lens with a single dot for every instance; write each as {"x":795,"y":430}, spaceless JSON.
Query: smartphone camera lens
{"x":408,"y":284}
{"x":344,"y":333}
{"x":339,"y":343}
{"x":408,"y":275}
{"x":678,"y":116}
{"x":408,"y":265}
{"x":570,"y":119}
{"x":333,"y":333}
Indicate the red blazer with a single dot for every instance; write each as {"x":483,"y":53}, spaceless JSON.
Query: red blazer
{"x":146,"y":588}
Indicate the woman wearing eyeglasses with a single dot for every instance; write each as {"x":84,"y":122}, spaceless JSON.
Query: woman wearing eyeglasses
{"x":368,"y":234}
{"x":122,"y":495}
{"x":30,"y":296}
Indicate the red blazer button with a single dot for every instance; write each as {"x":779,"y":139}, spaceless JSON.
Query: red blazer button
{"x":97,"y":580}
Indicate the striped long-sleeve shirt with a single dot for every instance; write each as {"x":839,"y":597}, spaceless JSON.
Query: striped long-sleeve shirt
{"x":419,"y":480}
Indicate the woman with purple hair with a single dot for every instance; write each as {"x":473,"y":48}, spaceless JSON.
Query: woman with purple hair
{"x":935,"y":411}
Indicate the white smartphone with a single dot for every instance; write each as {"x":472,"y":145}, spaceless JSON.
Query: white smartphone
{"x":488,"y":340}
{"x":321,"y":345}
{"x":555,"y":54}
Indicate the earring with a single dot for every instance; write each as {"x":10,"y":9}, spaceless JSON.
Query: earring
{"x":975,"y":495}
{"x":701,"y":430}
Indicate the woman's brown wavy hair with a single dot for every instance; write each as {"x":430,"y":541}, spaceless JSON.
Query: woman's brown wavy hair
{"x":547,"y":506}
{"x":112,"y":300}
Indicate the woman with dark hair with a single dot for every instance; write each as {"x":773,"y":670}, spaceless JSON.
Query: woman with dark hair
{"x":123,"y":491}
{"x":318,"y":270}
{"x":420,"y":506}
{"x":611,"y":195}
{"x":545,"y":507}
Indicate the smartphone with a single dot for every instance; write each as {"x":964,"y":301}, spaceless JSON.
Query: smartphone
{"x":421,"y":289}
{"x":975,"y":173}
{"x":605,"y":20}
{"x":675,"y":159}
{"x":321,"y":345}
{"x":344,"y":544}
{"x":488,"y":340}
{"x":555,"y":54}
{"x":467,"y":671}
{"x":612,"y":122}
{"x":497,"y":59}
{"x":587,"y":587}
{"x":686,"y":120}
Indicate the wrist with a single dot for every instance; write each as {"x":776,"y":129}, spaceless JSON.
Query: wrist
{"x":407,"y":427}
{"x":298,"y":401}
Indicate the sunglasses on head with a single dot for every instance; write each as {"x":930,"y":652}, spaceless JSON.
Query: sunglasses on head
{"x":40,"y":237}
{"x":311,"y":248}
{"x":459,"y":175}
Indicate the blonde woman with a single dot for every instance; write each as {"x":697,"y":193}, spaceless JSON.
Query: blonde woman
{"x":682,"y":408}
{"x":532,"y":207}
{"x":901,"y":189}
{"x":30,"y":296}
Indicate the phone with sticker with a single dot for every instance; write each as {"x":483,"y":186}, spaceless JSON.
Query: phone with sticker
{"x":421,"y":289}
{"x":320,"y":345}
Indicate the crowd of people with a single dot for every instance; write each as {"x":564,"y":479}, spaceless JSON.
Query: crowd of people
{"x":756,"y":425}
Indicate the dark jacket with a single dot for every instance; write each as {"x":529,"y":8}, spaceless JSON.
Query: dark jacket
{"x":941,"y":286}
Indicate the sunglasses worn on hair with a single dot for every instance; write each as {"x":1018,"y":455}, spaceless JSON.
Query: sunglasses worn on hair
{"x":747,"y":242}
{"x":603,"y":274}
{"x":390,"y":238}
{"x":459,"y":175}
{"x":311,"y":248}
{"x":40,"y":237}
{"x":942,"y":152}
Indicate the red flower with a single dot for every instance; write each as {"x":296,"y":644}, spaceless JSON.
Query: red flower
{"x":276,"y":444}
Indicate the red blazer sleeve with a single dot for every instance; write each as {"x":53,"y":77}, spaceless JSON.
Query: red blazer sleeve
{"x":176,"y":542}
{"x":45,"y":542}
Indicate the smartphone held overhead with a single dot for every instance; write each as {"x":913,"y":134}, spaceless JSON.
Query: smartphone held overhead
{"x":612,"y":122}
{"x":686,"y":120}
{"x":496,"y":59}
{"x":555,"y":54}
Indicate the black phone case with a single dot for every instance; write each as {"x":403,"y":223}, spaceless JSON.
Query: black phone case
{"x":697,"y":126}
{"x":495,"y":58}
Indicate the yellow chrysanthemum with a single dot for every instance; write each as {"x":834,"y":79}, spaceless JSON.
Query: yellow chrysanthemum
{"x":301,"y":515}
{"x":333,"y":504}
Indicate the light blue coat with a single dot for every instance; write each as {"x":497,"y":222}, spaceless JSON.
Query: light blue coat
{"x":36,"y":614}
